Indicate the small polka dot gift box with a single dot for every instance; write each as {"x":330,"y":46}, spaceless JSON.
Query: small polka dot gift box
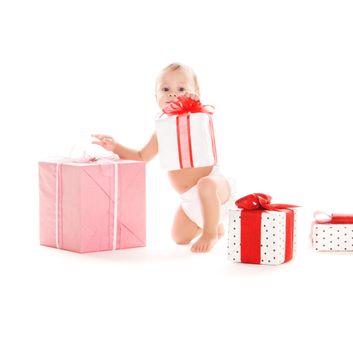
{"x":332,"y":232}
{"x":260,"y":232}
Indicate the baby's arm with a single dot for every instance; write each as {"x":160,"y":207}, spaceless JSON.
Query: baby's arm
{"x":145,"y":154}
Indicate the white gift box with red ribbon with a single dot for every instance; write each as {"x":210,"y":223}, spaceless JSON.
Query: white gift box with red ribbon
{"x":186,"y":141}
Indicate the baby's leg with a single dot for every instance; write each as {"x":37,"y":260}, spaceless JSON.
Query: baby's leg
{"x":220,"y":230}
{"x":213,"y":191}
{"x":184,"y":230}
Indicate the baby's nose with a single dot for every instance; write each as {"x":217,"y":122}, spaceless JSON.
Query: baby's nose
{"x":172,"y":94}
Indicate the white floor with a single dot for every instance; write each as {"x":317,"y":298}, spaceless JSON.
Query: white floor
{"x":165,"y":297}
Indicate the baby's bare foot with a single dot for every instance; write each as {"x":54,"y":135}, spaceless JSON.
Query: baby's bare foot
{"x":220,"y":231}
{"x":204,"y":244}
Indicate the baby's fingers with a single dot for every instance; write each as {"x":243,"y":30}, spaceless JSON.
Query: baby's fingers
{"x":192,"y":95}
{"x":97,"y":136}
{"x":102,"y":137}
{"x":195,"y":96}
{"x":104,"y":140}
{"x":97,"y":143}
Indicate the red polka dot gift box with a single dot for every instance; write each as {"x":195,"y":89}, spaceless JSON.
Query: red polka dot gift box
{"x":332,"y":232}
{"x":260,"y":232}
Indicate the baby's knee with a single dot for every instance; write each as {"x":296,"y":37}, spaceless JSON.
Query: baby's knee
{"x":178,"y":239}
{"x":206,"y":186}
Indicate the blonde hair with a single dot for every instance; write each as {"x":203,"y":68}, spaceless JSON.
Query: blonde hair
{"x":175,"y":66}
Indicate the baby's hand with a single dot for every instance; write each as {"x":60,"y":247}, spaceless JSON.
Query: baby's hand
{"x":107,"y":142}
{"x":195,"y":97}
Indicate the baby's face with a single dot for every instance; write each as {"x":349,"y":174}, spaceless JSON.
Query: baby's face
{"x":172,"y":84}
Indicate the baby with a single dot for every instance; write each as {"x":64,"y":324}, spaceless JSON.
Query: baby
{"x":205,"y":193}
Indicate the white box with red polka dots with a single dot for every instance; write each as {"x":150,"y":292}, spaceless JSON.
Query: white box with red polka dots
{"x":332,"y":237}
{"x":272,"y":250}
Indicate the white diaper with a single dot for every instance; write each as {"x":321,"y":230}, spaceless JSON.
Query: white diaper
{"x":191,"y":204}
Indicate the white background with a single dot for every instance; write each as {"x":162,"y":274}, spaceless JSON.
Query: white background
{"x":280,"y":76}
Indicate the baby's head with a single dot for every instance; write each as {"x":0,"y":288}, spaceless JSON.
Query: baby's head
{"x":174,"y":80}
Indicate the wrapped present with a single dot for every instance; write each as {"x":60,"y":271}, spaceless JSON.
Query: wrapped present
{"x":332,"y":232}
{"x":260,"y":232}
{"x":92,"y":205}
{"x":185,"y":135}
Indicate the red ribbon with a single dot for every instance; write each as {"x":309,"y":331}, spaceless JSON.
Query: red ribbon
{"x":324,"y":218}
{"x":253,"y":206}
{"x":185,"y":105}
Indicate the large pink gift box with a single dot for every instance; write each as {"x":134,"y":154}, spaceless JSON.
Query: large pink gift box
{"x":92,"y":206}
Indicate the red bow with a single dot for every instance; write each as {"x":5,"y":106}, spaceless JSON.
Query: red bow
{"x":324,"y":218}
{"x":185,"y":105}
{"x":256,"y":201}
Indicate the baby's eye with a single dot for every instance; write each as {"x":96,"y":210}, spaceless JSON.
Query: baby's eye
{"x":181,"y":89}
{"x":165,"y":89}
